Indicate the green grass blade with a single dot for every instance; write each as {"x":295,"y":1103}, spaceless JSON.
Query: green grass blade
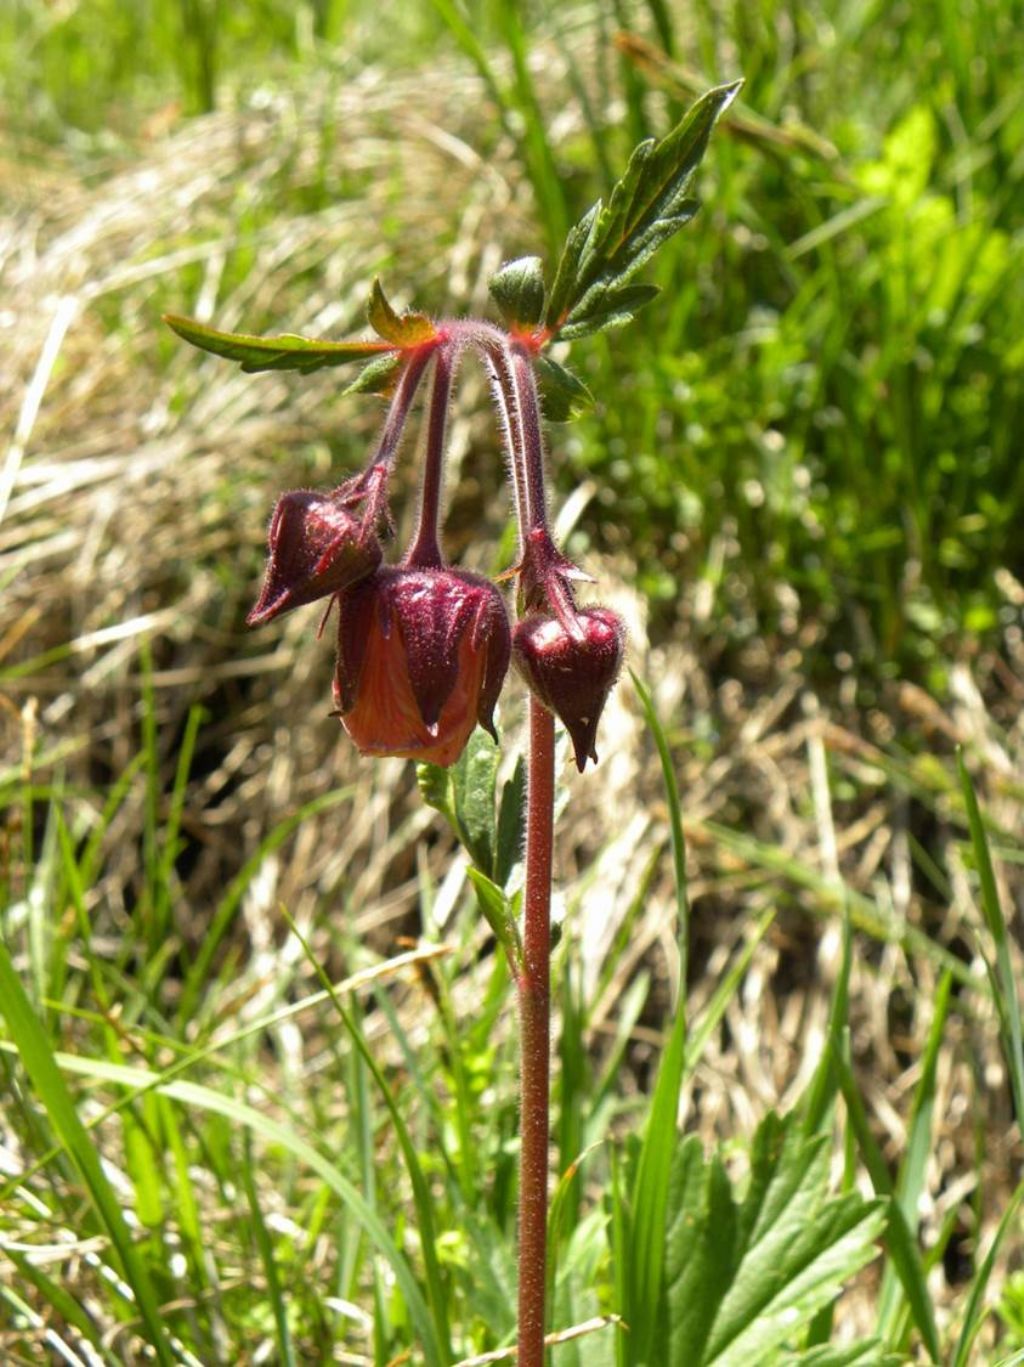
{"x":723,"y":993}
{"x":172,"y":824}
{"x":675,"y":818}
{"x":899,"y":1241}
{"x":1003,"y":979}
{"x":821,"y":1092}
{"x":265,"y":1246}
{"x":647,"y":1236}
{"x":973,"y":1313}
{"x":43,"y":1069}
{"x":60,"y":1300}
{"x":919,"y":1149}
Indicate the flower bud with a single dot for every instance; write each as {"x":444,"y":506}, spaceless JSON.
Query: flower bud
{"x":315,"y":547}
{"x":572,"y":674}
{"x":422,"y":655}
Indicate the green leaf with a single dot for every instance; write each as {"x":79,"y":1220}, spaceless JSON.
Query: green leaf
{"x":402,"y":329}
{"x":518,"y":291}
{"x":742,"y":1277}
{"x":913,"y":1169}
{"x":565,"y":291}
{"x":511,"y":824}
{"x":435,"y":785}
{"x":473,"y":785}
{"x":464,"y":795}
{"x":378,"y":377}
{"x":286,"y":352}
{"x":51,"y":1090}
{"x":647,"y":206}
{"x":866,"y":1353}
{"x":499,"y":915}
{"x":604,"y":309}
{"x":654,"y":1170}
{"x":563,"y":395}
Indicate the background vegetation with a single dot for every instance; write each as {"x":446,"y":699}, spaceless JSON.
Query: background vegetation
{"x":801,"y":481}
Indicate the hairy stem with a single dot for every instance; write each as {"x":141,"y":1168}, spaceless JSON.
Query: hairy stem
{"x":425,"y":552}
{"x":375,"y":477}
{"x":534,"y":985}
{"x":532,"y":439}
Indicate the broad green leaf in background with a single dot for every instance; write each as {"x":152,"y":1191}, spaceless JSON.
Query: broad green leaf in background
{"x":511,"y":830}
{"x":744,"y":1275}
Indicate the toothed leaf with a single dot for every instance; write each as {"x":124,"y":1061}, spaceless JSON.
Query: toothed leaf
{"x":285,"y":352}
{"x":602,"y":308}
{"x":647,"y":206}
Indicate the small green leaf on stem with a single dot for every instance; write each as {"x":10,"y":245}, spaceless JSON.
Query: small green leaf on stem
{"x":378,"y":376}
{"x":402,"y":329}
{"x":473,"y":788}
{"x":563,"y":394}
{"x":511,"y":830}
{"x":518,"y":291}
{"x":285,"y":352}
{"x":499,"y":913}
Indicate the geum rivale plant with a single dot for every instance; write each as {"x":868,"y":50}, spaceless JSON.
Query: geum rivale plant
{"x":423,"y":649}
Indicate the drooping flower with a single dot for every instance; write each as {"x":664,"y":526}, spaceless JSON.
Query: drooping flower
{"x":315,"y":547}
{"x":572,"y":673}
{"x":422,"y":654}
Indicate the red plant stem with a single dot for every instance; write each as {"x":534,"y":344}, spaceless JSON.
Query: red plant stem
{"x":425,"y":552}
{"x":375,"y":476}
{"x":498,"y":362}
{"x":534,"y":987}
{"x":533,"y":441}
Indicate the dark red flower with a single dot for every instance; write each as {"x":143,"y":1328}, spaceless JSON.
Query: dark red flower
{"x":315,"y":547}
{"x":572,"y":673}
{"x":422,"y":654}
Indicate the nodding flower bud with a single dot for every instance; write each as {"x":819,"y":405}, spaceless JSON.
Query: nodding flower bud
{"x":422,"y":655}
{"x":315,"y":547}
{"x":572,"y":673}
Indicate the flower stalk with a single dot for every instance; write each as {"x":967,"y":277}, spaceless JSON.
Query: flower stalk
{"x":533,"y":985}
{"x":424,"y":647}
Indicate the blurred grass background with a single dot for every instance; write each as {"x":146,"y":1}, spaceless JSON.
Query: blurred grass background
{"x":801,"y":481}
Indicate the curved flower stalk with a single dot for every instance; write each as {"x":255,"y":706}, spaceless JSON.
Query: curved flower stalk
{"x":424,"y":647}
